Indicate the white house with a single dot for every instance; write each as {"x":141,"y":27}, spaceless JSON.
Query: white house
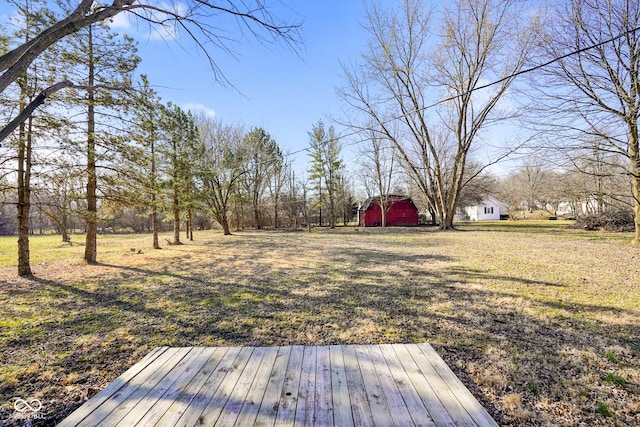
{"x":489,"y":209}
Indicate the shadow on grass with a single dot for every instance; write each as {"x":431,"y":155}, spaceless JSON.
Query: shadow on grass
{"x":498,"y":341}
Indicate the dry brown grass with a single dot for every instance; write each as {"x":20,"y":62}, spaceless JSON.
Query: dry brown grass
{"x":541,"y":323}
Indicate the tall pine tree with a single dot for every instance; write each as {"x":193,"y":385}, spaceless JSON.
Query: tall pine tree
{"x":147,"y":137}
{"x":179,"y":145}
{"x":32,"y":18}
{"x":326,"y":166}
{"x":101,"y":63}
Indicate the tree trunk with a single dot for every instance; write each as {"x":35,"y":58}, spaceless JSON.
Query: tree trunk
{"x":432,"y":212}
{"x":275,"y":211}
{"x":190,"y":224}
{"x":256,"y":216}
{"x":154,"y":195}
{"x":332,"y":212}
{"x":225,"y":225}
{"x":154,"y":200}
{"x":447,"y":223}
{"x":176,"y":218}
{"x":65,"y":235}
{"x":154,"y":223}
{"x":91,"y":246}
{"x":24,"y":196}
{"x":90,"y":252}
{"x":176,"y":198}
{"x":635,"y":186}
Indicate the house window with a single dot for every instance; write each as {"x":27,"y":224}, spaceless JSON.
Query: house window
{"x":488,"y":209}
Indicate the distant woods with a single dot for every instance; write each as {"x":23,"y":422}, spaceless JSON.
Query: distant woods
{"x":424,"y":100}
{"x":433,"y":83}
{"x":108,"y":155}
{"x":105,"y":153}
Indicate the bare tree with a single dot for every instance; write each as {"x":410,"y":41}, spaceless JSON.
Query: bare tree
{"x":291,"y":200}
{"x":527,"y":188}
{"x":305,"y":185}
{"x":58,"y":195}
{"x":278,"y":180}
{"x":220,"y":166}
{"x":377,"y":169}
{"x":512,"y":194}
{"x":404,"y":74}
{"x":532,"y":176}
{"x":593,"y":94}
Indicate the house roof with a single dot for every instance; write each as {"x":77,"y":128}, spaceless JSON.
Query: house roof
{"x":376,"y":200}
{"x":486,"y":200}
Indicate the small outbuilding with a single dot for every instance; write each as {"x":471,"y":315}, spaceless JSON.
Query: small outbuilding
{"x":489,"y":209}
{"x":401,"y":211}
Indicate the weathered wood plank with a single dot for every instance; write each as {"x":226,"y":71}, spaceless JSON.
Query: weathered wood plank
{"x":212,"y":411}
{"x":464,"y":396}
{"x":206,"y":392}
{"x":395,"y":402}
{"x":382,"y":385}
{"x":323,"y":401}
{"x":289,"y":397}
{"x":153,"y":395}
{"x":436,"y":409}
{"x":373,"y":390}
{"x":271,"y":401}
{"x":414,"y":405}
{"x":237,"y":396}
{"x":342,"y":415}
{"x":455,"y":409}
{"x":198,"y":357}
{"x":307,"y":393}
{"x":190,"y":392}
{"x":253,"y":400}
{"x":127,"y":397}
{"x":359,"y":404}
{"x":105,"y":394}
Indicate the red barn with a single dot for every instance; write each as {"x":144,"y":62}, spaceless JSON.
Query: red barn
{"x":400,"y":211}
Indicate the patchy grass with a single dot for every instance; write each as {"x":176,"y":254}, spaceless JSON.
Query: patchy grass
{"x":540,"y":322}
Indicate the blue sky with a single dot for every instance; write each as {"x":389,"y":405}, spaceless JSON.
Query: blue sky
{"x":282,"y":91}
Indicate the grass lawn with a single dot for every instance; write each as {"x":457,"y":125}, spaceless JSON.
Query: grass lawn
{"x":541,"y":323}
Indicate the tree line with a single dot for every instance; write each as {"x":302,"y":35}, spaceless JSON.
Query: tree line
{"x":432,"y":84}
{"x":428,"y":88}
{"x":108,"y":153}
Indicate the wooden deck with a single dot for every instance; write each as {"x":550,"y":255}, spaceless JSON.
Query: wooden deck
{"x":375,"y":385}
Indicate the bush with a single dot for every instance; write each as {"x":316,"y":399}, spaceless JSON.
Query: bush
{"x":620,"y":220}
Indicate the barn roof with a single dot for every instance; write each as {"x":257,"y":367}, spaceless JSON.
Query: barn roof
{"x":376,"y":200}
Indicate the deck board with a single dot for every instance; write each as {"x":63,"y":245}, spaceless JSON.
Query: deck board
{"x":271,"y":400}
{"x":349,"y":385}
{"x":395,"y":402}
{"x":342,"y":415}
{"x":189,"y":394}
{"x":289,"y":395}
{"x":306,"y":394}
